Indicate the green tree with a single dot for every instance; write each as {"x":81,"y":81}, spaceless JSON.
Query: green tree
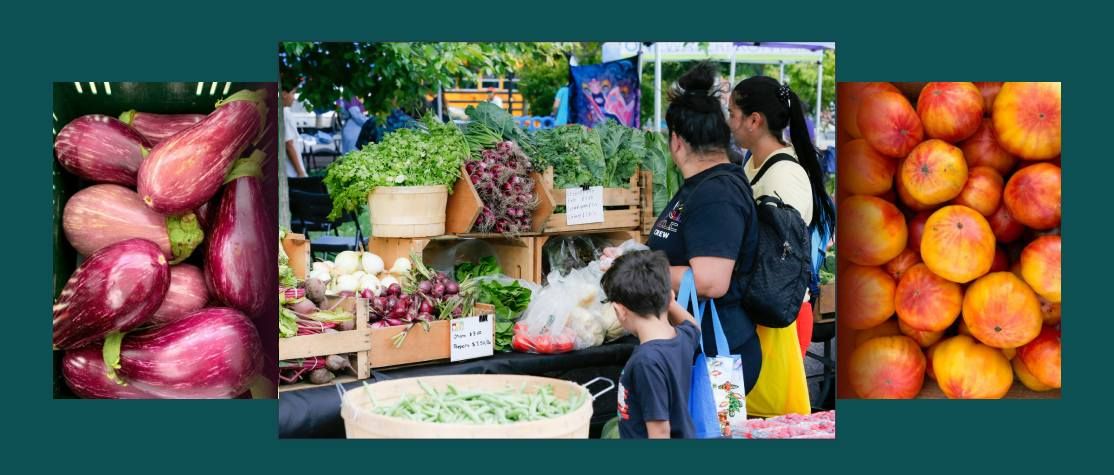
{"x":540,"y":77}
{"x":802,"y":79}
{"x":389,"y":75}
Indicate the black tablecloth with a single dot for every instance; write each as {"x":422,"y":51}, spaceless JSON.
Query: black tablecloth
{"x":315,"y":413}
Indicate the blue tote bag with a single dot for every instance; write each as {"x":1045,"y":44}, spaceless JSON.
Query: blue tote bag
{"x":717,"y":401}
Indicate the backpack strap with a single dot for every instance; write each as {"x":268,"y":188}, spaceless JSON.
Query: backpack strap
{"x":770,"y":162}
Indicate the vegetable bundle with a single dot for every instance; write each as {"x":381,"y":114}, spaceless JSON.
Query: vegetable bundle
{"x":407,"y":157}
{"x":134,"y":319}
{"x":478,"y":407}
{"x":501,"y":177}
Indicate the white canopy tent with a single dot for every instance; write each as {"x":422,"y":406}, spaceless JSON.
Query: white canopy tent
{"x":738,"y":52}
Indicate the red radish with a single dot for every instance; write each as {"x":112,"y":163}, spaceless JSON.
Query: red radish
{"x":158,"y":127}
{"x":184,"y":171}
{"x":425,"y":307}
{"x":237,"y":264}
{"x":187,"y":294}
{"x":115,"y":290}
{"x":101,"y":148}
{"x":106,"y":214}
{"x":87,"y":376}
{"x":452,"y":288}
{"x":211,"y":353}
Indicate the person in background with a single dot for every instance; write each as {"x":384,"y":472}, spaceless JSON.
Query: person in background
{"x":295,"y":167}
{"x":494,"y":99}
{"x":760,"y":111}
{"x":654,"y":385}
{"x":561,"y":106}
{"x":354,"y":108}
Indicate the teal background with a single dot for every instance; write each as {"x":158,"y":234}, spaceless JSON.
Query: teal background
{"x":191,"y":41}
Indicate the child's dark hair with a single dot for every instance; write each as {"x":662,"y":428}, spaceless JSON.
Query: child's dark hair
{"x":781,"y":107}
{"x":639,"y":280}
{"x":695,"y":112}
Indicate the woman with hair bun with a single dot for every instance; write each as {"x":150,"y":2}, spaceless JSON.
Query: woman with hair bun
{"x":711,"y":222}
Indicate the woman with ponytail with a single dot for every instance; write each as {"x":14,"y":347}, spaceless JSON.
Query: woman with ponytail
{"x":759,"y":112}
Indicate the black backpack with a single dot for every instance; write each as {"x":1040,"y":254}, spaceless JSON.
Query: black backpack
{"x":781,"y":269}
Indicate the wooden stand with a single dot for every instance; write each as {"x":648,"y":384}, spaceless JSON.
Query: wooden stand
{"x":420,"y":346}
{"x":515,"y":254}
{"x":465,"y":206}
{"x":357,"y":341}
{"x":621,"y":208}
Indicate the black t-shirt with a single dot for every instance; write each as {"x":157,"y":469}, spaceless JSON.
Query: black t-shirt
{"x":718,"y":221}
{"x":655,"y":385}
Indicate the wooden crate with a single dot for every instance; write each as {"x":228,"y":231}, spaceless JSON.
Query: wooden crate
{"x":357,"y":341}
{"x":613,"y":237}
{"x":622,"y":208}
{"x":420,"y":346}
{"x":297,"y":249}
{"x":826,"y":307}
{"x":515,"y":254}
{"x":465,"y":206}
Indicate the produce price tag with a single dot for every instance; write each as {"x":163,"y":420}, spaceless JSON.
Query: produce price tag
{"x":583,"y":206}
{"x":472,"y":337}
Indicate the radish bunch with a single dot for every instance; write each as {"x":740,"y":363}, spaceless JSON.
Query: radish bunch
{"x":423,"y":303}
{"x":501,"y":178}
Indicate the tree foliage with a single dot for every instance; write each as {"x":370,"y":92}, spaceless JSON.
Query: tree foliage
{"x":390,"y":75}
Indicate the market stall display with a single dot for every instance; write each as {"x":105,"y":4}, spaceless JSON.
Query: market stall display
{"x":142,"y":315}
{"x":950,"y":238}
{"x":818,"y":425}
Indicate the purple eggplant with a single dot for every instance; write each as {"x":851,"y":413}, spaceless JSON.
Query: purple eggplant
{"x":106,"y":214}
{"x":101,"y":148}
{"x":116,"y":289}
{"x":211,"y":353}
{"x":186,"y":295}
{"x":158,"y":127}
{"x":183,"y":172}
{"x":239,"y":264}
{"x":87,"y":376}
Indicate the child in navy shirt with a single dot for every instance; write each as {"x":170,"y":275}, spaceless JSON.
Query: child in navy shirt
{"x":654,"y":385}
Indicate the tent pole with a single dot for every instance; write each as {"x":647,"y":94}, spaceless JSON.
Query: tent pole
{"x":657,"y":87}
{"x":819,"y":91}
{"x":781,"y":72}
{"x":734,"y":54}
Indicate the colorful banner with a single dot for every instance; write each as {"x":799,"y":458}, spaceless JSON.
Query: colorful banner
{"x":607,"y":91}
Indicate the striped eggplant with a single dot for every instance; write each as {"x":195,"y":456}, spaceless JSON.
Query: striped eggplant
{"x":115,"y":290}
{"x":158,"y":127}
{"x":187,"y":294}
{"x":87,"y":376}
{"x":105,"y":214}
{"x":101,"y":148}
{"x":211,"y":353}
{"x":183,"y":172}
{"x":239,"y":262}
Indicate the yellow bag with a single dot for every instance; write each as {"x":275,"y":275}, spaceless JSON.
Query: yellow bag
{"x":781,"y":387}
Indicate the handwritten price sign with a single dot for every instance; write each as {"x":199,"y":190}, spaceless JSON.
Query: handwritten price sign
{"x":583,"y":206}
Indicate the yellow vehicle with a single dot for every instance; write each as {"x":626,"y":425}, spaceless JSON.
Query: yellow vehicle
{"x":472,"y":90}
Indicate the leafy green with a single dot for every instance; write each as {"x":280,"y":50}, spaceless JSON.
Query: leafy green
{"x":407,"y":157}
{"x":288,"y":323}
{"x":480,"y":137}
{"x":574,"y":152}
{"x":657,"y":162}
{"x":467,"y":270}
{"x":623,"y":149}
{"x":509,"y":300}
{"x":501,"y":122}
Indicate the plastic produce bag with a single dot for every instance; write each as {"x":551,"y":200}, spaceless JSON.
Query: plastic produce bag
{"x":566,"y":253}
{"x":568,"y":314}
